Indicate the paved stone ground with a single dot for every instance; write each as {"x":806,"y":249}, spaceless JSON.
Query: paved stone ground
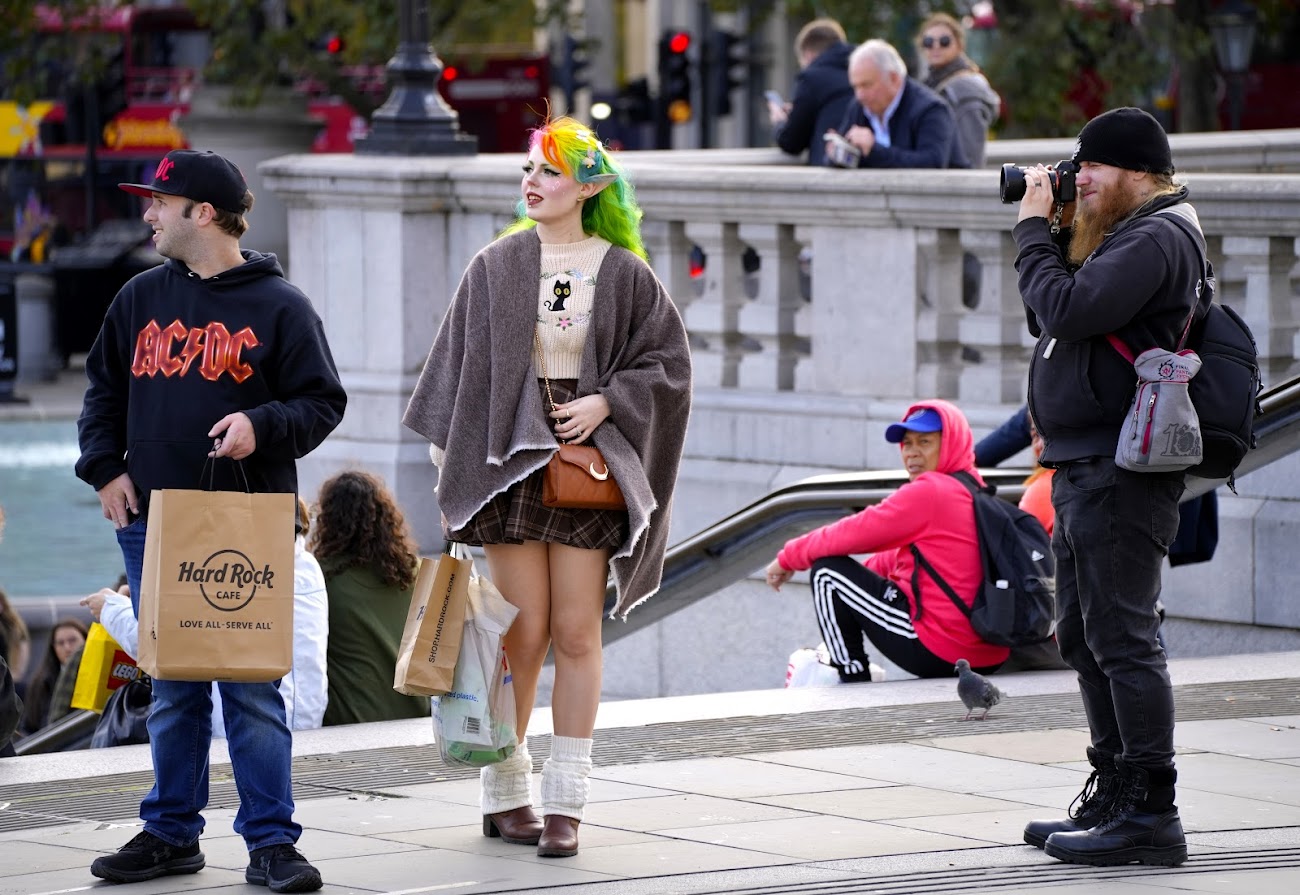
{"x":867,"y":788}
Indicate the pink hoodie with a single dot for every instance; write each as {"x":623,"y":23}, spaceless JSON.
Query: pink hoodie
{"x":935,"y":512}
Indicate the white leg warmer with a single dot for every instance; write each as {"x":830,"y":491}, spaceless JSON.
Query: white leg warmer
{"x":564,"y":777}
{"x":507,"y":784}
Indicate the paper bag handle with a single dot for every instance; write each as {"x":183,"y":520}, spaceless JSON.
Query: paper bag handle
{"x":210,"y":473}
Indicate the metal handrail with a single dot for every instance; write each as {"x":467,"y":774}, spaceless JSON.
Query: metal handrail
{"x":73,"y":728}
{"x":734,"y":547}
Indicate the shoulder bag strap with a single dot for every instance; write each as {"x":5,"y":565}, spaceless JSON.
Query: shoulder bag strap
{"x":1118,"y":344}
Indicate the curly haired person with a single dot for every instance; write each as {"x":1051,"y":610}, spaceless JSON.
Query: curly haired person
{"x":364,"y":547}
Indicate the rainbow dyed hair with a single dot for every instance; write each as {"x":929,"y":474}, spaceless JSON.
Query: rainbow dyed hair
{"x":612,"y":213}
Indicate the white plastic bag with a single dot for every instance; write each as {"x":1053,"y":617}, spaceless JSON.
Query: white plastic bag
{"x":812,"y":668}
{"x":474,"y":723}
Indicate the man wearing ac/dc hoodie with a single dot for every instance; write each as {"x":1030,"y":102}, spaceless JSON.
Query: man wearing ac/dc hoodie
{"x":211,"y":355}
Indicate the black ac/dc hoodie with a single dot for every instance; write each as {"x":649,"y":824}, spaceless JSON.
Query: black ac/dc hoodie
{"x":178,"y":352}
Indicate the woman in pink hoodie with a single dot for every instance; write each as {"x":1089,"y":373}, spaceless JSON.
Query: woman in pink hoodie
{"x":895,"y":604}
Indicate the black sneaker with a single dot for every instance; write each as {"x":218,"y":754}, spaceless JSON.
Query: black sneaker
{"x":147,"y":857}
{"x":281,"y":868}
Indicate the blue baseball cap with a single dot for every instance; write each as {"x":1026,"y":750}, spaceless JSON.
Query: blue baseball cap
{"x":922,"y":419}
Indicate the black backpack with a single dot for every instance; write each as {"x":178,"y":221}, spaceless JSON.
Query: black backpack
{"x":1016,"y":603}
{"x":1225,"y":392}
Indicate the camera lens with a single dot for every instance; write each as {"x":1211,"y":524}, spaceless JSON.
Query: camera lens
{"x":1012,"y":186}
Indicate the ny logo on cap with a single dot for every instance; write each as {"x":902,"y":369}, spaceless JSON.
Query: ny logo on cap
{"x":163,"y":168}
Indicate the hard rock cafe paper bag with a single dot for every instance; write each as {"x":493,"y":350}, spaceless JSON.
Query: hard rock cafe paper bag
{"x":216,"y":597}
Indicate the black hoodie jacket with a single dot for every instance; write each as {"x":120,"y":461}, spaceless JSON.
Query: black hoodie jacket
{"x":821,"y":94}
{"x":178,"y":352}
{"x":1140,"y":283}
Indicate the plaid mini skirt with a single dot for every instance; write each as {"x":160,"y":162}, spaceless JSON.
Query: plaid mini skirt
{"x":518,"y":514}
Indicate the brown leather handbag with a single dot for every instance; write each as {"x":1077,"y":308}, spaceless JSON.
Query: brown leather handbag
{"x":577,"y":476}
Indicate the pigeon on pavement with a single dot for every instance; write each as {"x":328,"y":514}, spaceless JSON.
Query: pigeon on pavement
{"x":976,"y":691}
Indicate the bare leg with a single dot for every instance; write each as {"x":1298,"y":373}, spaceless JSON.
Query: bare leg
{"x":521,"y":573}
{"x":577,"y":586}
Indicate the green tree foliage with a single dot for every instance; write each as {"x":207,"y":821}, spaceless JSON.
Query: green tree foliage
{"x":1051,"y":53}
{"x":258,"y":44}
{"x":38,"y":62}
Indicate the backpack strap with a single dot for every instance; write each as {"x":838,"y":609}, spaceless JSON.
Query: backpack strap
{"x":920,"y":562}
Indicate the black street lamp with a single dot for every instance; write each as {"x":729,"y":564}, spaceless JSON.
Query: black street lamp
{"x":415,"y":120}
{"x":1232,"y":27}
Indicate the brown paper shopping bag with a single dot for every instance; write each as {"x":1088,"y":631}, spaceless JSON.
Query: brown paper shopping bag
{"x":216,"y":597}
{"x":426,"y":661}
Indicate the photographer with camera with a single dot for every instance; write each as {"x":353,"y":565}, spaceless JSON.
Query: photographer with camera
{"x":896,"y":121}
{"x":1125,"y":267}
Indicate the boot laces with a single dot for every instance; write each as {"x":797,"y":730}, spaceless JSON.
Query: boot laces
{"x":1129,"y":793}
{"x":1099,"y":790}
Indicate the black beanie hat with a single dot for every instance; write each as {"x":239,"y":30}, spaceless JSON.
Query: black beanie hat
{"x":1126,"y":138}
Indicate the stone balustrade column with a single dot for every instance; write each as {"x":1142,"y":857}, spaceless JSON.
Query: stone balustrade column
{"x":1261,"y":292}
{"x":939,"y":313}
{"x":995,"y":340}
{"x":768,"y":319}
{"x":714,"y":318}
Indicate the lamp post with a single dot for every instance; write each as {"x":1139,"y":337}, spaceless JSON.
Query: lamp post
{"x":1232,"y":27}
{"x":415,"y":120}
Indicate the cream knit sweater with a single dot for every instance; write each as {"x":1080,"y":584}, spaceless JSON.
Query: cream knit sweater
{"x":564,"y":303}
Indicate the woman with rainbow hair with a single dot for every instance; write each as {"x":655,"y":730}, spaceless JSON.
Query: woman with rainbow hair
{"x":563,"y":297}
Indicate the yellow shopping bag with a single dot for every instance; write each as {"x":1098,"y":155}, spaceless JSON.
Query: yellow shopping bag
{"x":104,"y":668}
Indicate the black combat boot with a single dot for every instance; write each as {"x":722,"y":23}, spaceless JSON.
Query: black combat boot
{"x":1088,"y":807}
{"x":1142,"y":825}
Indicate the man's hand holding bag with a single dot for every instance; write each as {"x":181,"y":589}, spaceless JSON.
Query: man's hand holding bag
{"x":216,"y":596}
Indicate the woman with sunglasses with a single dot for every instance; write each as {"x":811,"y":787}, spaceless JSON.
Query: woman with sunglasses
{"x":951,"y":74}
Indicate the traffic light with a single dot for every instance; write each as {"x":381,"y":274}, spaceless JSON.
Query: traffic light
{"x":675,"y":76}
{"x":633,"y":104}
{"x":726,"y":68}
{"x":334,"y":44}
{"x":573,"y":63}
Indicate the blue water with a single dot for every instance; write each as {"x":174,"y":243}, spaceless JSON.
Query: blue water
{"x":56,"y":540}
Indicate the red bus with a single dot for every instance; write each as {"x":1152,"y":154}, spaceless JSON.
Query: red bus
{"x":154,"y":57}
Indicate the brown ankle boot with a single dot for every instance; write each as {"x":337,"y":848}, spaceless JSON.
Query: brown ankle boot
{"x":518,"y":826}
{"x":559,"y":837}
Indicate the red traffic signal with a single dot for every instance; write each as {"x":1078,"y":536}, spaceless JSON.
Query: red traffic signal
{"x":334,"y":45}
{"x":680,"y":42}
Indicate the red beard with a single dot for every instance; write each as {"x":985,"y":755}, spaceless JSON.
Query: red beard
{"x":1096,"y":219}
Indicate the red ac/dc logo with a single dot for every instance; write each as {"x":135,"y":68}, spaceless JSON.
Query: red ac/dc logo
{"x":217,"y":350}
{"x":164,"y":168}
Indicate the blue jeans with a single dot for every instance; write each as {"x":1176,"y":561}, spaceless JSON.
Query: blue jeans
{"x":180,"y":732}
{"x":1113,"y":529}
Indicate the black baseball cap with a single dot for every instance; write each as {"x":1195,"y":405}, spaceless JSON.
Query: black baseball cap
{"x":201,"y":176}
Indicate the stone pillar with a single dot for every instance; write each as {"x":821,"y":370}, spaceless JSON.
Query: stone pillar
{"x":379,"y":247}
{"x":864,"y":310}
{"x":276,"y":126}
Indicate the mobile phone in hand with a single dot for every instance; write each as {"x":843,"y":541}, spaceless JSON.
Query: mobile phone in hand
{"x":774,"y":98}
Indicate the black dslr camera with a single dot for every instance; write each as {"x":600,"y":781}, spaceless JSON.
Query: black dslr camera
{"x":1012,"y":188}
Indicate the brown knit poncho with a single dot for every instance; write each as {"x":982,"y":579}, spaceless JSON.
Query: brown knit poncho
{"x":477,"y":399}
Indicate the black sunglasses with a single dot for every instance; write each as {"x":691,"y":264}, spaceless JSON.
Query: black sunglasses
{"x":944,"y":41}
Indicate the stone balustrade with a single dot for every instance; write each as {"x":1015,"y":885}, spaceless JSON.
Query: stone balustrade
{"x":871,"y":289}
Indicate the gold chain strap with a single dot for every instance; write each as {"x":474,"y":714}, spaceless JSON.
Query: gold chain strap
{"x":541,"y":357}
